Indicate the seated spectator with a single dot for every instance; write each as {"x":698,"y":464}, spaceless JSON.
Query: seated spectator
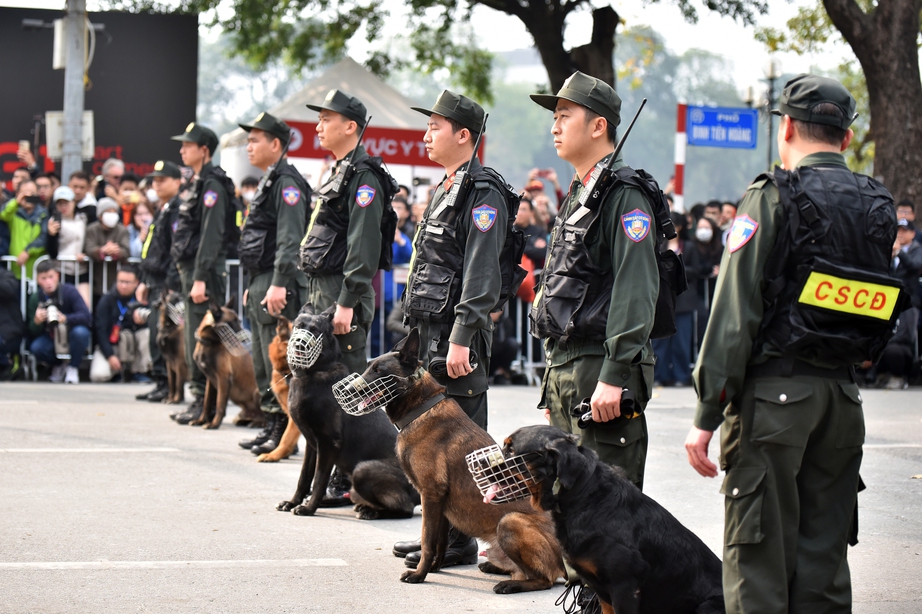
{"x":536,"y":237}
{"x":106,"y":238}
{"x":27,"y":219}
{"x":12,"y":326}
{"x":129,"y":195}
{"x":56,"y":313}
{"x":404,"y":224}
{"x":66,"y":237}
{"x":79,"y":182}
{"x":121,"y":329}
{"x":141,"y":218}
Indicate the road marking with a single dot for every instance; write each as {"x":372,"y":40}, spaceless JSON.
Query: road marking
{"x":174,"y":564}
{"x":80,"y":450}
{"x":892,"y":445}
{"x":22,"y":402}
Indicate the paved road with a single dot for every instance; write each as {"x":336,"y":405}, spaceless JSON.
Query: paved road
{"x":106,"y":505}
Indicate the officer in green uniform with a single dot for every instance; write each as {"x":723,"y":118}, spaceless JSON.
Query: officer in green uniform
{"x":269,"y":253}
{"x":803,"y":295}
{"x":342,"y":247}
{"x":454,"y":282}
{"x":200,"y":245}
{"x":596,"y":300}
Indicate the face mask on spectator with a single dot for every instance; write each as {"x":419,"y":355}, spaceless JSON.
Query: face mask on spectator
{"x":152,"y":195}
{"x":248,"y":195}
{"x":109,"y":219}
{"x":704,"y":234}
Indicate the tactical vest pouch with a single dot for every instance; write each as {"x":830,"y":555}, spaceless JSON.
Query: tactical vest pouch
{"x":250,"y":250}
{"x":186,"y":237}
{"x":556,"y":306}
{"x":431,"y":288}
{"x":842,"y":312}
{"x":672,"y":282}
{"x":317,"y":255}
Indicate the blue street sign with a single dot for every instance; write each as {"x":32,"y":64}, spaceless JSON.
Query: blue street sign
{"x":722,"y":127}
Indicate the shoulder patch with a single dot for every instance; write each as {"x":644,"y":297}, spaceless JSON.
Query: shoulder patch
{"x":291,"y":195}
{"x":364,"y":195}
{"x":484,"y":217}
{"x":636,"y":225}
{"x":743,"y":229}
{"x":210,"y":198}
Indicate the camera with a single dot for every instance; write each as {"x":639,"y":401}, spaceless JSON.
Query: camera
{"x":143,"y":313}
{"x":54,"y":314}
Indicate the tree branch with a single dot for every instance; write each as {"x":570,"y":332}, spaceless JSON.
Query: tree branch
{"x":850,"y":20}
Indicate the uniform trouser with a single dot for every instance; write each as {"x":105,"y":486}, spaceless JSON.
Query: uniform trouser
{"x":792,"y":449}
{"x":322,"y":294}
{"x":215,"y":288}
{"x":469,"y":391}
{"x":625,"y":445}
{"x":157,"y":364}
{"x":262,"y":327}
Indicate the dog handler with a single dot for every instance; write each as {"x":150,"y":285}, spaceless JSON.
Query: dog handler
{"x":610,"y":257}
{"x":269,"y":244}
{"x":803,"y":295}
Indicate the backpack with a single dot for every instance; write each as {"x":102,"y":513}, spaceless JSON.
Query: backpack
{"x":388,"y":215}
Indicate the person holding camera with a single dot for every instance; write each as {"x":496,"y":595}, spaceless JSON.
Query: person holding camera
{"x":27,"y":220}
{"x":121,"y":330}
{"x":56,"y":314}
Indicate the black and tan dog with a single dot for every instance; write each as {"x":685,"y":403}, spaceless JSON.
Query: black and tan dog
{"x":432,"y":448}
{"x":632,"y":552}
{"x":172,"y":347}
{"x":230,"y":377}
{"x":340,"y":439}
{"x":281,"y":372}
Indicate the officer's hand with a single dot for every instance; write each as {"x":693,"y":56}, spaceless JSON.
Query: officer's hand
{"x":141,"y":293}
{"x":547,"y":414}
{"x":605,"y":402}
{"x":275,"y":301}
{"x":246,"y":295}
{"x":198,"y":292}
{"x":342,"y":320}
{"x":458,"y":361}
{"x":696,"y":446}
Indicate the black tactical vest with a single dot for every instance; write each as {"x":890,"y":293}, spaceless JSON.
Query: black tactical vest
{"x":188,"y":232}
{"x":260,"y":230}
{"x":829,"y":295}
{"x":155,"y":256}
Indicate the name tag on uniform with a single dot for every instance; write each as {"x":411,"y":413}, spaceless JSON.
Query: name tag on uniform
{"x":849,"y":296}
{"x":579,"y":214}
{"x":436,"y":230}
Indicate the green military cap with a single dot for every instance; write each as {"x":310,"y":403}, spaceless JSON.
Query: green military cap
{"x":271,"y":125}
{"x":200,"y":135}
{"x":344,"y":104}
{"x":802,"y":93}
{"x":165,"y":168}
{"x":459,"y":108}
{"x":592,"y":93}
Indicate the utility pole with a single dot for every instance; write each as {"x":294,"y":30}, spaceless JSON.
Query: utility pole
{"x":75,"y":24}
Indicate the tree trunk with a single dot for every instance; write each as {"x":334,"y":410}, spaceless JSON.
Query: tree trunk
{"x":884,"y":41}
{"x":598,"y":57}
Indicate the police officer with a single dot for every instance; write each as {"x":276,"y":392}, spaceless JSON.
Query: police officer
{"x":454,"y":281}
{"x":204,"y":230}
{"x":269,"y":253}
{"x":596,"y":300}
{"x":789,"y":320}
{"x":157,"y":268}
{"x":342,"y":247}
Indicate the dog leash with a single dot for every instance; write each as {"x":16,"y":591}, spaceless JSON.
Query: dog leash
{"x":273,"y":384}
{"x":419,"y":411}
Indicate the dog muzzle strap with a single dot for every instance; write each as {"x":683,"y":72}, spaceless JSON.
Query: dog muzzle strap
{"x":304,"y":348}
{"x":236,"y":342}
{"x":176,"y":312}
{"x":500,"y":479}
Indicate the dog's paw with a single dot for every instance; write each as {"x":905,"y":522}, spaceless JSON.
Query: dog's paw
{"x":211,"y":425}
{"x":285,"y":506}
{"x":303,"y":510}
{"x":412,"y":577}
{"x":507,"y":587}
{"x":267,"y":458}
{"x":364,"y":512}
{"x":488,"y":567}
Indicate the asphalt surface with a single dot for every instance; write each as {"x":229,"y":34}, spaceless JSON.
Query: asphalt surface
{"x":107,"y":505}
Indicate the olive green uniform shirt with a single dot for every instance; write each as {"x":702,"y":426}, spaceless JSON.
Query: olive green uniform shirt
{"x":211,"y":239}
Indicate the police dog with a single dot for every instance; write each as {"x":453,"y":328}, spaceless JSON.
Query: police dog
{"x":340,"y":439}
{"x":633,"y":553}
{"x":431,"y":449}
{"x":230,"y":377}
{"x":172,"y":347}
{"x":278,"y":356}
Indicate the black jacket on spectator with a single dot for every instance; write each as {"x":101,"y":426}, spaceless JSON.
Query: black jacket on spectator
{"x":11,"y":323}
{"x":536,"y":245}
{"x":908,"y":269}
{"x":113,"y":310}
{"x":68,"y":301}
{"x":696,"y":268}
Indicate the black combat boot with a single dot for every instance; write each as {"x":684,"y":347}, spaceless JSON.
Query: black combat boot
{"x":263,"y":436}
{"x":461,"y":550}
{"x":160,"y":392}
{"x":279,"y":424}
{"x":192,"y":412}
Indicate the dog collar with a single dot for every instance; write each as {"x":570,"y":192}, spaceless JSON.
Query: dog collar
{"x":419,"y":411}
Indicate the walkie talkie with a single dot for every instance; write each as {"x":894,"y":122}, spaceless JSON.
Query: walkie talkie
{"x":333,"y":188}
{"x":463,"y":179}
{"x":602,"y":178}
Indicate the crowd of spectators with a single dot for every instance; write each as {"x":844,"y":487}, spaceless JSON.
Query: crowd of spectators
{"x":85,"y":233}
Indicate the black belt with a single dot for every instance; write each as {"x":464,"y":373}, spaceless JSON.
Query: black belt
{"x":786,"y":367}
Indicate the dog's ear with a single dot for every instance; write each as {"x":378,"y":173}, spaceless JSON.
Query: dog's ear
{"x":409,"y":348}
{"x":283,"y":322}
{"x":562,"y":456}
{"x":231,"y":302}
{"x":214,"y":308}
{"x":329,"y":312}
{"x":307,"y":309}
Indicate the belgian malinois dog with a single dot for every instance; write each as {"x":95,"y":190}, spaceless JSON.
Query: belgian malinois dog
{"x":230,"y":376}
{"x":172,"y":346}
{"x":431,"y":448}
{"x":281,"y":372}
